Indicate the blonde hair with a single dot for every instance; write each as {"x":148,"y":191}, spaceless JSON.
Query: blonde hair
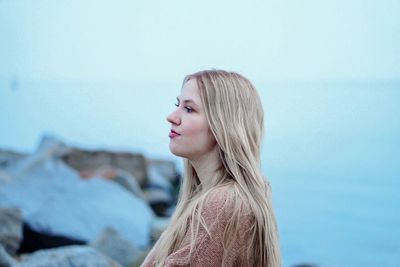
{"x":234,"y":113}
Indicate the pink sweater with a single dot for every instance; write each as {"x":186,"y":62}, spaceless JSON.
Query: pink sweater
{"x":209,"y":249}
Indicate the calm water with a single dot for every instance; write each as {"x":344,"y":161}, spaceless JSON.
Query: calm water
{"x":333,"y":158}
{"x":331,"y":152}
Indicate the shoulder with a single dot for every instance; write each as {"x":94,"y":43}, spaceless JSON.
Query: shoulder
{"x":219,"y":194}
{"x":219,"y":198}
{"x":225,"y":201}
{"x":214,"y":203}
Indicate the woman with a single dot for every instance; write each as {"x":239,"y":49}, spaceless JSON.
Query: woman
{"x":224,"y":215}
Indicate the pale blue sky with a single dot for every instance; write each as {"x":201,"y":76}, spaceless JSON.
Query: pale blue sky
{"x":163,"y":40}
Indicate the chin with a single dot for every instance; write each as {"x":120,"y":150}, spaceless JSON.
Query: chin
{"x":179,"y":153}
{"x":175,"y":151}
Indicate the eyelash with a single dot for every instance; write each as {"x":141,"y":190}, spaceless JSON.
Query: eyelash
{"x":188,"y":109}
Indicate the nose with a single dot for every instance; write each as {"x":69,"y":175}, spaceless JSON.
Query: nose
{"x":174,"y":118}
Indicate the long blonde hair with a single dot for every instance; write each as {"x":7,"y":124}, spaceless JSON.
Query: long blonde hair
{"x":234,"y":113}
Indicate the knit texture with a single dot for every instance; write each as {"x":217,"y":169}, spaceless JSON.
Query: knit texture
{"x":209,"y":249}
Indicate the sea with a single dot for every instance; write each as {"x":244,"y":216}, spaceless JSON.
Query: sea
{"x":332,"y":155}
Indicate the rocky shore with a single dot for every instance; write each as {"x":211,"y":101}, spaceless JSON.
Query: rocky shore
{"x":67,"y":206}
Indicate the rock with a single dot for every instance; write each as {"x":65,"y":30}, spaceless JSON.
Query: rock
{"x":48,"y":148}
{"x":133,"y":163}
{"x":157,"y":179}
{"x":140,"y":258}
{"x":7,"y":157}
{"x":54,"y":199}
{"x":159,"y":200}
{"x":71,"y":256}
{"x":160,"y":189}
{"x":165,"y":168}
{"x":159,"y":226}
{"x":36,"y":240}
{"x":10,"y":229}
{"x":305,"y":265}
{"x":113,"y":245}
{"x":4,"y":177}
{"x":121,"y":177}
{"x":130,"y":183}
{"x":52,"y":146}
{"x":5,"y":259}
{"x":107,"y":172}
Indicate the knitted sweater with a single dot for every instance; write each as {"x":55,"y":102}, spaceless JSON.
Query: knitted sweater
{"x":209,"y":248}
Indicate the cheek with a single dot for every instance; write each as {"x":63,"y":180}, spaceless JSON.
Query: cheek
{"x":206,"y":139}
{"x":195,"y":140}
{"x":197,"y":128}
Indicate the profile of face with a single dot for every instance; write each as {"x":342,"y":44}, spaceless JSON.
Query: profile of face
{"x":190,"y":135}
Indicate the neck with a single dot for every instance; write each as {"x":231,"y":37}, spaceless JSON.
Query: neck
{"x":206,"y":167}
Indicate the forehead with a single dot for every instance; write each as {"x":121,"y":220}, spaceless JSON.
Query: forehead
{"x":190,"y":91}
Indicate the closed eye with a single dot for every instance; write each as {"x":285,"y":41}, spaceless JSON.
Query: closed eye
{"x":187,"y":101}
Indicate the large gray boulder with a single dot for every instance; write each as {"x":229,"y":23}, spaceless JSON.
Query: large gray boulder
{"x":54,"y":199}
{"x":10,"y":229}
{"x":71,"y":256}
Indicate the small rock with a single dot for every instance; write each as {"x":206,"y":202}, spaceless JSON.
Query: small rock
{"x":71,"y":256}
{"x":113,"y":245}
{"x":10,"y":229}
{"x":166,"y":168}
{"x":159,"y":200}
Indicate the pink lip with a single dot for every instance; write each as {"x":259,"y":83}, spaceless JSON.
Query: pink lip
{"x":173,"y":134}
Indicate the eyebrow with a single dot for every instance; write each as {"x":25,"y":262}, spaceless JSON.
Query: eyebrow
{"x":186,"y":101}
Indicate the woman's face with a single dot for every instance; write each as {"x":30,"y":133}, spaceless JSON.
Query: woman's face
{"x":190,"y":135}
